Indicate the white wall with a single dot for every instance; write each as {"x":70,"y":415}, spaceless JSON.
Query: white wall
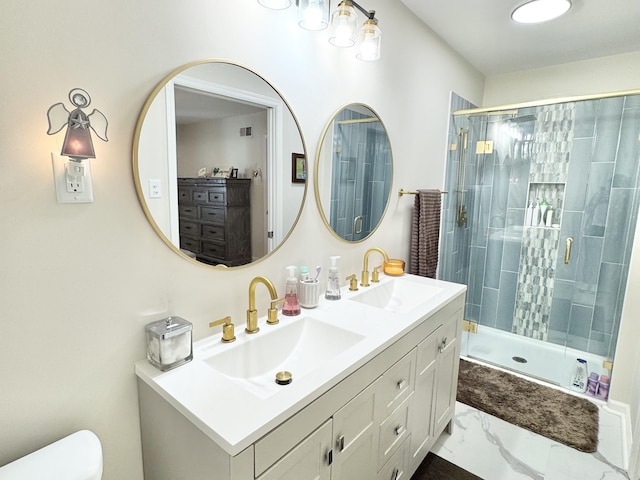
{"x":79,"y":282}
{"x":600,"y":75}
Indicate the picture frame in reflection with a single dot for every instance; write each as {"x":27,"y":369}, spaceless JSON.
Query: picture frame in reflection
{"x":298,"y":168}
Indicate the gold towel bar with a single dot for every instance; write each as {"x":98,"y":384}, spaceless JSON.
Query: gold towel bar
{"x":402,"y":192}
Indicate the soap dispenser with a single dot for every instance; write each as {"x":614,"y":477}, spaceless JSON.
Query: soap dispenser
{"x":333,"y":282}
{"x":291,"y":305}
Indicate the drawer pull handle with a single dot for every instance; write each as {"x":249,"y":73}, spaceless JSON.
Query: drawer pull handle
{"x":401,"y":384}
{"x":400,"y":430}
{"x":329,"y":457}
{"x":340,"y":443}
{"x":442,"y":345}
{"x":396,"y":473}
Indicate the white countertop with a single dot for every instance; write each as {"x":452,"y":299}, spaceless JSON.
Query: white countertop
{"x":234,"y":417}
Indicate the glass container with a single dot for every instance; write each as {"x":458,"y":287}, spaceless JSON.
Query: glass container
{"x":169,"y":343}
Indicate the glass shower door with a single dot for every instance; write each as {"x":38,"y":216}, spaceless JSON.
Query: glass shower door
{"x":551,"y":194}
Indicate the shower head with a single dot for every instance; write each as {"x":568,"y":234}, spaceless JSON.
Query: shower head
{"x":522,"y":119}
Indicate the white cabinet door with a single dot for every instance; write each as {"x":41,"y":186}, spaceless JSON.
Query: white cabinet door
{"x":447,"y":373}
{"x":309,"y":460}
{"x":356,"y":438}
{"x":421,"y":409}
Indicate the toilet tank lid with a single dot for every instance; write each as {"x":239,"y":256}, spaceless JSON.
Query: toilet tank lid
{"x":76,"y":457}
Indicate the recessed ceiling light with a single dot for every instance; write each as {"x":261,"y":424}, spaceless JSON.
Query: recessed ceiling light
{"x":537,"y":11}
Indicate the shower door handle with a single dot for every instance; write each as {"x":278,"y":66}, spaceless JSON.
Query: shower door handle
{"x":567,"y":250}
{"x":357,"y":225}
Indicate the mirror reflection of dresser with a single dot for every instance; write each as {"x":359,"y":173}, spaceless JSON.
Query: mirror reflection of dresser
{"x":215,"y":220}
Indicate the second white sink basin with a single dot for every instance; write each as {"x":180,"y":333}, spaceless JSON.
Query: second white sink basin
{"x":397,"y":296}
{"x":300,"y":347}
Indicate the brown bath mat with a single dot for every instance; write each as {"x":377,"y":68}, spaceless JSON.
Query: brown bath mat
{"x":546,"y":411}
{"x":436,"y":468}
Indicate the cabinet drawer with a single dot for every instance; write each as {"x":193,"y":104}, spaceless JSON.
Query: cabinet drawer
{"x":210,"y":214}
{"x":217,"y":196}
{"x":397,"y":467}
{"x":213,"y":232}
{"x":190,"y":244}
{"x":184,"y":194}
{"x":396,"y":384}
{"x":214,"y":250}
{"x":190,"y":228}
{"x":393,"y":431}
{"x":189,"y":211}
{"x":199,"y":196}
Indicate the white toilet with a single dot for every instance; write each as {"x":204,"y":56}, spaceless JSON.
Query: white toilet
{"x":76,"y":457}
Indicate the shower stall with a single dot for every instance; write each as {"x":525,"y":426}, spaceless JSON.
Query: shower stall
{"x":539,"y":224}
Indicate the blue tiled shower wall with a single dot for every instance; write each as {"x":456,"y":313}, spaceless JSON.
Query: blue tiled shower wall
{"x":361,"y":173}
{"x":583,"y":159}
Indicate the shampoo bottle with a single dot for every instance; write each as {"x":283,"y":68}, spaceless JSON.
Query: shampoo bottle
{"x":333,"y":282}
{"x":291,"y":305}
{"x":535,"y":218}
{"x":579,"y":376}
{"x":543,"y":211}
{"x":528,"y":215}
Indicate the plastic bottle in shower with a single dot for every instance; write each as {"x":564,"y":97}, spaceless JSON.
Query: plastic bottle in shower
{"x":528,"y":216}
{"x":291,"y":305}
{"x":535,"y":217}
{"x":333,"y":282}
{"x":543,"y":211}
{"x":579,"y":377}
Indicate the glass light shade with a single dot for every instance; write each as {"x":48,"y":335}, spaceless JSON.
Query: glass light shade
{"x":343,"y":24}
{"x":313,"y":14}
{"x":369,"y":38}
{"x":275,"y":4}
{"x":77,"y":141}
{"x":538,"y":11}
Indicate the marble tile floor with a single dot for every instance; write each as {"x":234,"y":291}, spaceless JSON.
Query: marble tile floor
{"x":496,"y":450}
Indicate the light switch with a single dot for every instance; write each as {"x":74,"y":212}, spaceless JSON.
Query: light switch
{"x":155,"y":188}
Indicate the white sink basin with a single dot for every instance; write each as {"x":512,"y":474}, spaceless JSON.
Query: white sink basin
{"x":300,"y":347}
{"x":397,"y":296}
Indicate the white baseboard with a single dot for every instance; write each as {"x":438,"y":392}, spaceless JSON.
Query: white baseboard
{"x":622,"y":410}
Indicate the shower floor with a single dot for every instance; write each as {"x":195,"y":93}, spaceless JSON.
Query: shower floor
{"x":534,"y":358}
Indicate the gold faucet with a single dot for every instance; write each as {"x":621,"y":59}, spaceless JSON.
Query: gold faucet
{"x":353,"y":282}
{"x":365,"y":271}
{"x":228,"y":334}
{"x":252,"y":313}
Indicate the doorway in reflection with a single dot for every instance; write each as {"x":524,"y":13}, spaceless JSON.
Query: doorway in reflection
{"x":361,"y":174}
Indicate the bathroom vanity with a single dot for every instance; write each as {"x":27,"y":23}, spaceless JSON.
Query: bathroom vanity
{"x":374,"y":385}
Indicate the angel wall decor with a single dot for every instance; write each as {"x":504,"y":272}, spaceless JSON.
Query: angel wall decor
{"x":77,"y":143}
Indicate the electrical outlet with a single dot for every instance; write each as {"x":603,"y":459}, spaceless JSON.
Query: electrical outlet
{"x":72,"y":180}
{"x":155,"y":188}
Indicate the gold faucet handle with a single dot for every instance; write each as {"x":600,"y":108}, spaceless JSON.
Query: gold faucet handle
{"x":228,"y":332}
{"x":353,"y":282}
{"x":375,"y":276}
{"x":364,"y":281}
{"x":272,"y":313}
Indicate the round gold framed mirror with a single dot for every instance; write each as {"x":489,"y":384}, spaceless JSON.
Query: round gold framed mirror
{"x":219,"y":164}
{"x":353,"y":173}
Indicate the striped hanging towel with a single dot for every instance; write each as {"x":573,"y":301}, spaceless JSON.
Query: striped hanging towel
{"x":425,"y":233}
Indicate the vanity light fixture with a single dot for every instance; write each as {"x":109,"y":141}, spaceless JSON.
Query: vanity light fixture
{"x":314,"y":15}
{"x":343,"y":22}
{"x":275,"y":4}
{"x":538,"y":11}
